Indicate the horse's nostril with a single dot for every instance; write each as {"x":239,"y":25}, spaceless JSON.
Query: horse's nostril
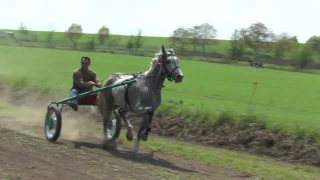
{"x":179,"y":77}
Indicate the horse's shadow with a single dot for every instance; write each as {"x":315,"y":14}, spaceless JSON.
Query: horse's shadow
{"x":130,"y":155}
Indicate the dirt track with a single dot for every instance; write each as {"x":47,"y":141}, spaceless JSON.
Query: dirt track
{"x":78,"y":153}
{"x":23,"y":157}
{"x":26,"y":157}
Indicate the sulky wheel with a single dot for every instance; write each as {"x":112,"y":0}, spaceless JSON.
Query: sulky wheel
{"x":113,"y":127}
{"x":53,"y":123}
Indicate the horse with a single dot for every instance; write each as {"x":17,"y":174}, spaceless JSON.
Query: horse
{"x":141,"y":98}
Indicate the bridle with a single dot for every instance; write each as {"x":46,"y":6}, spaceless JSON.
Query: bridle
{"x":165,"y":71}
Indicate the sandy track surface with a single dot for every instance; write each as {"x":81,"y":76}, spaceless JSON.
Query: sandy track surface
{"x":28,"y":157}
{"x":78,"y":154}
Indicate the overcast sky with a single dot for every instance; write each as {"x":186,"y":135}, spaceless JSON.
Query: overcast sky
{"x":161,"y":17}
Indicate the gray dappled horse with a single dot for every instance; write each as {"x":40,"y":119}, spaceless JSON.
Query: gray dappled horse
{"x":142,"y":97}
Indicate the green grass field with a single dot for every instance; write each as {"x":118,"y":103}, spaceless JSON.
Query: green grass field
{"x":286,"y":101}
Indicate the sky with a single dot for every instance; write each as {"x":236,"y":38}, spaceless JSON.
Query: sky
{"x":160,"y":18}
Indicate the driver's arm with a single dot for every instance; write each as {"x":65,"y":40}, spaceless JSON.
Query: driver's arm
{"x":98,"y":84}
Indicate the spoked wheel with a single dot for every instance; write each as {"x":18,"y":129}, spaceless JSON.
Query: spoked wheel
{"x":113,"y":128}
{"x":53,"y":123}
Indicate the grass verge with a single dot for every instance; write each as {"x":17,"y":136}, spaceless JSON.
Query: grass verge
{"x":285,"y":102}
{"x":259,"y":166}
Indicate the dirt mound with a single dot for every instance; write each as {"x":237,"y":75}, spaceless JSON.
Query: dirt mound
{"x":250,"y":139}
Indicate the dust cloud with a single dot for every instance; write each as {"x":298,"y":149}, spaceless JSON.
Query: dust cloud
{"x":25,"y":111}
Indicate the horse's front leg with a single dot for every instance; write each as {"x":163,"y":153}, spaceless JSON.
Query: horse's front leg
{"x":147,"y":114}
{"x":146,"y":122}
{"x":129,"y":134}
{"x":146,"y":126}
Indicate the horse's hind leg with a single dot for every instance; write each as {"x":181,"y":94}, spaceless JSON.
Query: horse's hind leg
{"x":129,"y":134}
{"x":141,"y":129}
{"x":106,"y":119}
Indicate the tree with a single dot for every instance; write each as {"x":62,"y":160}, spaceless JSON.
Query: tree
{"x":23,"y":30}
{"x":257,"y":37}
{"x":284,"y":43}
{"x":237,"y":46}
{"x":138,"y":40}
{"x":179,"y":38}
{"x":74,"y":33}
{"x":314,"y":42}
{"x":193,"y":38}
{"x":114,"y":40}
{"x":302,"y":56}
{"x":203,"y":35}
{"x":103,"y":34}
{"x":130,"y":43}
{"x":50,"y":35}
{"x":91,"y":44}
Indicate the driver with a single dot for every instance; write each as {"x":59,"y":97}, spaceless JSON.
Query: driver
{"x":83,"y":80}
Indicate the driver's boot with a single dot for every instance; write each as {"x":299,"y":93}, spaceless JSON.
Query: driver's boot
{"x":73,"y":104}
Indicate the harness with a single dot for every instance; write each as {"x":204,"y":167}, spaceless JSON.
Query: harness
{"x":126,"y":86}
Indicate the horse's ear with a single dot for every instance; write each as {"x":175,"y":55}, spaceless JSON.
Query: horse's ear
{"x":164,"y":55}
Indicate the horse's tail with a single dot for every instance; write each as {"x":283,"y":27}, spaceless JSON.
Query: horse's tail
{"x":105,"y":101}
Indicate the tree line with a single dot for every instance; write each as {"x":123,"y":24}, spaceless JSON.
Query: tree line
{"x":257,"y":37}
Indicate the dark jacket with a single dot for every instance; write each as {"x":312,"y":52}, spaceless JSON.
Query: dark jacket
{"x":81,"y":80}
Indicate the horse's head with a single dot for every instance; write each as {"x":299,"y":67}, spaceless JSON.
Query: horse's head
{"x":170,"y":65}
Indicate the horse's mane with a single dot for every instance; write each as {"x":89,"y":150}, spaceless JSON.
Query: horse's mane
{"x":156,"y":57}
{"x":170,"y":51}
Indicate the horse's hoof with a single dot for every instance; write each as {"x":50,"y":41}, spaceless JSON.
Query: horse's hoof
{"x":129,"y":136}
{"x":144,"y":136}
